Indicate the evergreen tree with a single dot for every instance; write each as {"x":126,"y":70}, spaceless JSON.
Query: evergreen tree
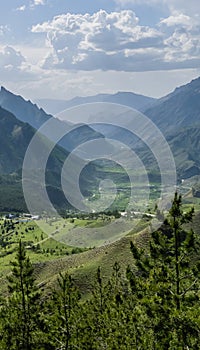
{"x":167,"y":281}
{"x":156,"y":308}
{"x":107,"y":316}
{"x":20,"y":313}
{"x":63,"y":309}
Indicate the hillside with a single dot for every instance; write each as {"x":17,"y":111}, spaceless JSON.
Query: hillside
{"x":50,"y":257}
{"x":177,"y":110}
{"x":175,"y":114}
{"x":28,"y":112}
{"x":185,"y":145}
{"x":24,"y":110}
{"x":178,"y":116}
{"x":15,"y":137}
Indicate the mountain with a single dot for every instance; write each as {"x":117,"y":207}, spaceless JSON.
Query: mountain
{"x":185,"y":146}
{"x":24,"y":110}
{"x":130,"y":99}
{"x":29,"y":113}
{"x":15,"y":137}
{"x":177,"y":115}
{"x":177,"y":110}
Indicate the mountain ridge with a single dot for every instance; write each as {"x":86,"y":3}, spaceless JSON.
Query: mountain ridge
{"x":28,"y":112}
{"x":177,"y":115}
{"x":23,"y":109}
{"x":127,"y":98}
{"x":179,"y":109}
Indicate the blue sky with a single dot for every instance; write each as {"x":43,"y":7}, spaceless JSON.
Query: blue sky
{"x":64,"y":48}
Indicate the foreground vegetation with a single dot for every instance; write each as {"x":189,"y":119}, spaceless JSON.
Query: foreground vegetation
{"x":155,"y":305}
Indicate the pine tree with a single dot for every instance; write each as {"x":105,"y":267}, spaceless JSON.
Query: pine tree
{"x":107,"y":316}
{"x":167,"y":281}
{"x":64,"y":310}
{"x":20,"y":313}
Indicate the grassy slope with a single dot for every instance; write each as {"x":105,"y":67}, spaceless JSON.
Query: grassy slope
{"x":82,"y":266}
{"x":54,"y":257}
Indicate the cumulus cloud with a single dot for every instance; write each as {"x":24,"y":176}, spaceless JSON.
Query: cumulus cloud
{"x":117,"y":41}
{"x":183,"y":40}
{"x":9,"y":56}
{"x":13,"y":65}
{"x":177,"y":19}
{"x":99,"y":41}
{"x":183,"y":47}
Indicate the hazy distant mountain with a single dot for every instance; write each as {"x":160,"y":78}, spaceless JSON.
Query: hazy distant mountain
{"x":130,"y":99}
{"x":179,"y":109}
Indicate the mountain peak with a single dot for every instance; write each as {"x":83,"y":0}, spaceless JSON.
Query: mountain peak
{"x":24,"y":110}
{"x":3,"y":89}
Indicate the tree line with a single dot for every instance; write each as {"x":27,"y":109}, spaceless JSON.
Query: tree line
{"x":155,"y":305}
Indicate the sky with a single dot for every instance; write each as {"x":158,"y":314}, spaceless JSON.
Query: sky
{"x":59,"y":49}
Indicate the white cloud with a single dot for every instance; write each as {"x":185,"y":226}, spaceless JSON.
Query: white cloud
{"x":116,"y":41}
{"x":183,"y":46}
{"x":35,"y":3}
{"x":21,"y":8}
{"x":178,"y":19}
{"x":9,"y":56}
{"x":39,"y":2}
{"x":13,"y":65}
{"x":96,"y":41}
{"x":4,"y":30}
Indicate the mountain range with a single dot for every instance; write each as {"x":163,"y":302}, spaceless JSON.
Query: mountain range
{"x":30,"y":113}
{"x":129,"y":99}
{"x":177,"y":115}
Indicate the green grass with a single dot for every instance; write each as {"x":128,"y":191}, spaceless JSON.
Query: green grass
{"x":53,"y":256}
{"x":50,"y":256}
